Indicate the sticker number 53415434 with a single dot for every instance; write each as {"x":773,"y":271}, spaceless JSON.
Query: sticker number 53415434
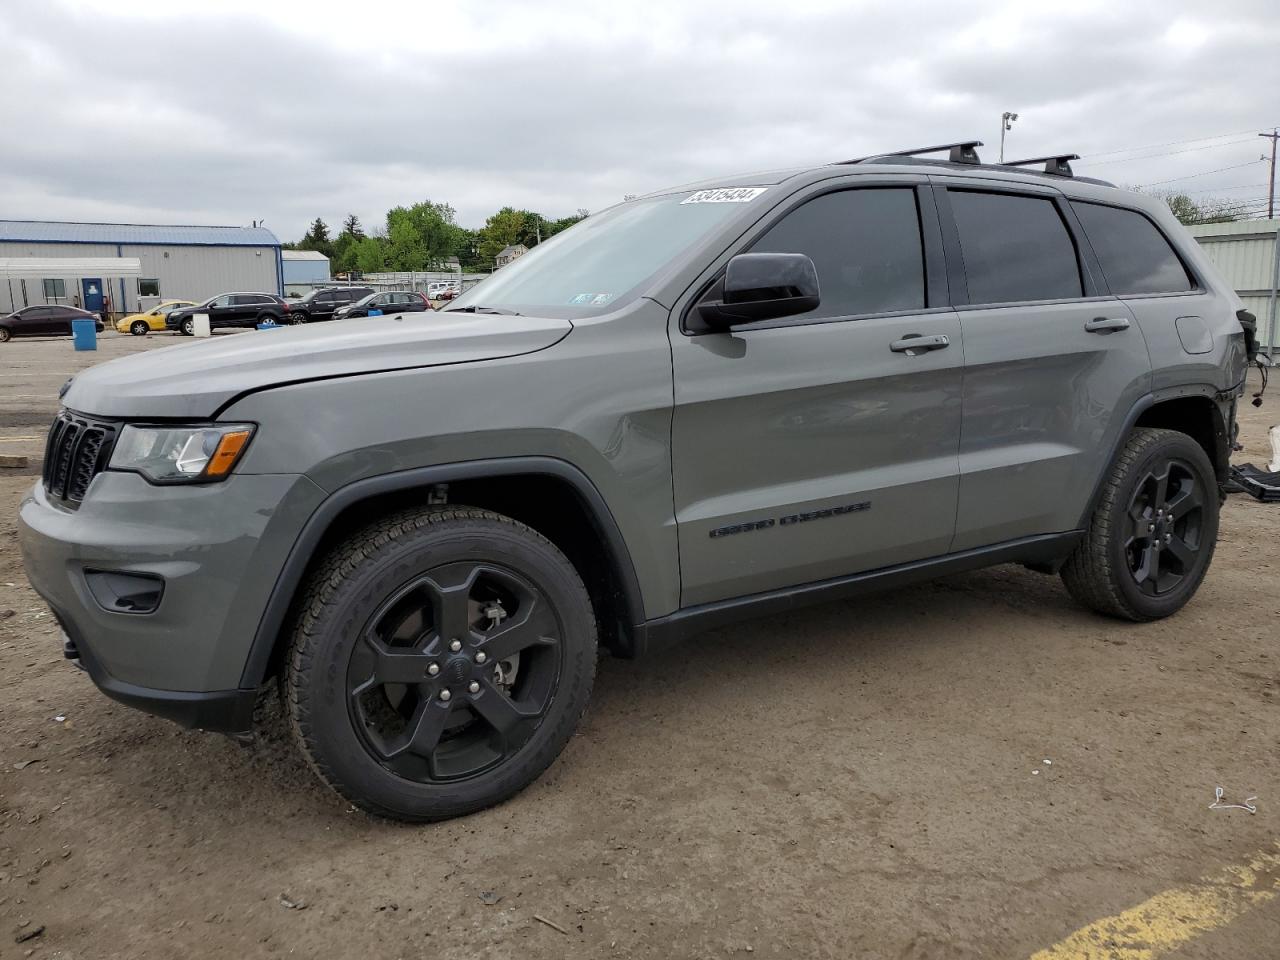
{"x":725,"y":195}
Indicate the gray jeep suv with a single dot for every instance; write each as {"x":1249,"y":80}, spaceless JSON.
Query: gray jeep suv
{"x":709,"y":403}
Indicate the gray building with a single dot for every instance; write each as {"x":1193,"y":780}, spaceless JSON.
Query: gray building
{"x":133,"y":266}
{"x":1247,"y":252}
{"x":304,"y":268}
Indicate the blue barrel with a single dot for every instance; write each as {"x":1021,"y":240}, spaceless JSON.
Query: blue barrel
{"x":375,"y":313}
{"x":268,"y":326}
{"x":84,"y":333}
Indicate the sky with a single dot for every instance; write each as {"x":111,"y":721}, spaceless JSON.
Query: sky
{"x":164,"y":111}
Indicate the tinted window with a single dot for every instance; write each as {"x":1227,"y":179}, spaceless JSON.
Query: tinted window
{"x":1134,"y":255}
{"x":1015,"y":248}
{"x":865,"y":245}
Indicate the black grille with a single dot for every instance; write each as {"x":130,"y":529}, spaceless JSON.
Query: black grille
{"x":77,"y":450}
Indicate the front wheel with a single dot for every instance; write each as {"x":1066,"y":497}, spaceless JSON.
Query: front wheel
{"x":4,"y":335}
{"x":442,"y":660}
{"x":296,"y":317}
{"x":139,"y":328}
{"x":188,"y":327}
{"x":1150,"y":541}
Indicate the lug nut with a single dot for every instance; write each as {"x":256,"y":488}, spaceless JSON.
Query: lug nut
{"x":480,"y":657}
{"x":474,"y":686}
{"x":455,"y":645}
{"x":433,"y":669}
{"x":445,"y":695}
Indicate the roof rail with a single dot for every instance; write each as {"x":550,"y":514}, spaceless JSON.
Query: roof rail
{"x":1058,"y":165}
{"x":961,"y":152}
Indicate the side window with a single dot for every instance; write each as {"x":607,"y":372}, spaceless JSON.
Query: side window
{"x":865,"y":245}
{"x":223,"y":301}
{"x":1015,"y":248}
{"x":1133,"y":253}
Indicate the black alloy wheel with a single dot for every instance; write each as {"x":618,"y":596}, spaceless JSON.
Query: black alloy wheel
{"x":1165,"y":521}
{"x":441,"y":661}
{"x":454,"y":672}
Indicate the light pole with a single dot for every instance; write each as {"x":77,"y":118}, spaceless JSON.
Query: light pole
{"x":1006,"y":124}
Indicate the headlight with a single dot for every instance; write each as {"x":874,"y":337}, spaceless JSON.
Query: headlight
{"x":165,"y":454}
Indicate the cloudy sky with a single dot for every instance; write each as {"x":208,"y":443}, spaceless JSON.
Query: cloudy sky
{"x":223,"y":112}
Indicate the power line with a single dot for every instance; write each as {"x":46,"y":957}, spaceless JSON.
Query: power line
{"x":1192,"y":176}
{"x":1171,"y":143}
{"x":1170,"y":153}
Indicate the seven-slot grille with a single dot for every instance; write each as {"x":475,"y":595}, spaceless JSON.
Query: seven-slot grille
{"x":77,"y":450}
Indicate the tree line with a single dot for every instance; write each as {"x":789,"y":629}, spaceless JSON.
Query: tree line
{"x":424,"y":237}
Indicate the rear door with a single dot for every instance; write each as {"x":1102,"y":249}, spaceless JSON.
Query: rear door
{"x":820,"y":445}
{"x":1053,"y":362}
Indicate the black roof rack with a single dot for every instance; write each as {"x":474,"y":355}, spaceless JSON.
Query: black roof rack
{"x":1059,"y":165}
{"x":961,"y":152}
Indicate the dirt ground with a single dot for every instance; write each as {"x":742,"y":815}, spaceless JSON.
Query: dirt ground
{"x":868,"y":779}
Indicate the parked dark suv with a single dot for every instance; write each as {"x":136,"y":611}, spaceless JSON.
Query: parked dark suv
{"x":391,"y":301}
{"x":716,"y":401}
{"x":41,"y":320}
{"x":318,"y":305}
{"x":231,"y":310}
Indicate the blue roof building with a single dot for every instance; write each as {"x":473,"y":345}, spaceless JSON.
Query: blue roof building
{"x":178,"y":262}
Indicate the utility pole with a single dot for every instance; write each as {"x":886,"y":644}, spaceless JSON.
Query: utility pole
{"x":1006,"y":124}
{"x":1271,"y":181}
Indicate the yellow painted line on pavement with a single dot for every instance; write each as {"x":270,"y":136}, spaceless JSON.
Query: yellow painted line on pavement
{"x":1173,"y":917}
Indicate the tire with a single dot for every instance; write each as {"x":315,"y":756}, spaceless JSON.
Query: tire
{"x":188,"y":327}
{"x":389,"y":713}
{"x":4,"y":334}
{"x":139,"y":328}
{"x":296,"y":317}
{"x":1151,"y":538}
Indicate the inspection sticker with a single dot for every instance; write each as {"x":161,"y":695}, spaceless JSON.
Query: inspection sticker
{"x":725,"y":195}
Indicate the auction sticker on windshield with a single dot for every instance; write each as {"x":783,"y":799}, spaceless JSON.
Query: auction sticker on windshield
{"x":725,"y":195}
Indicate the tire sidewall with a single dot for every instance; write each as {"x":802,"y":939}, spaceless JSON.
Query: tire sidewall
{"x":139,"y":328}
{"x":1172,"y":447}
{"x":334,"y":741}
{"x":188,"y":327}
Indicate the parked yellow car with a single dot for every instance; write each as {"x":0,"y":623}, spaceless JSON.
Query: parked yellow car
{"x":139,"y":324}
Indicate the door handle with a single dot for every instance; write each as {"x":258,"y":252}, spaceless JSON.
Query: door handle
{"x":1106,"y":324}
{"x":914,"y":344}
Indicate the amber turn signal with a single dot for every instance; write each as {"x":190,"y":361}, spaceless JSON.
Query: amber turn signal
{"x":227,"y":453}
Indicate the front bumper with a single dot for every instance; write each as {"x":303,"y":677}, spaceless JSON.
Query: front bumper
{"x":218,"y":549}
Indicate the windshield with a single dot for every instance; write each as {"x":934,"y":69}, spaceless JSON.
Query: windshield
{"x":598,"y":262}
{"x":365,"y":300}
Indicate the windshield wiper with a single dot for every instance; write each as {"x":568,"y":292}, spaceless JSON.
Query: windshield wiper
{"x":501,"y":310}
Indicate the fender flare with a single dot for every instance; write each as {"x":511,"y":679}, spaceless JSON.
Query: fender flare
{"x":1141,"y":406}
{"x":300,"y":555}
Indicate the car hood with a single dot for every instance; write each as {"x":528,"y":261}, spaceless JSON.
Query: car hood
{"x":196,"y":379}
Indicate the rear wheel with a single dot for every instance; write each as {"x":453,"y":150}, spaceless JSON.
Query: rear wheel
{"x":1151,"y":539}
{"x":442,"y":661}
{"x":188,"y":327}
{"x":139,"y":328}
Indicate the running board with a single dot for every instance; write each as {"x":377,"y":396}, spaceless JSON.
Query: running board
{"x":1044,"y":551}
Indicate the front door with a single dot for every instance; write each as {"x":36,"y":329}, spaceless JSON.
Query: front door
{"x":822,"y":445}
{"x":1053,"y":364}
{"x":91,"y":288}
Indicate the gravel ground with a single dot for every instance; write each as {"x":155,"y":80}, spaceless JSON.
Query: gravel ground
{"x":868,"y":779}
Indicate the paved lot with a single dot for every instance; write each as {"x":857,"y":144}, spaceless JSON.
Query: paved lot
{"x":859,"y":780}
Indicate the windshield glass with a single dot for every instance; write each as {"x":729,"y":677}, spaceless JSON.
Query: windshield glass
{"x":365,"y":300}
{"x":596,"y":263}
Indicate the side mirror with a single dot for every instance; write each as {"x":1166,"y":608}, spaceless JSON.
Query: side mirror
{"x":763,"y":286}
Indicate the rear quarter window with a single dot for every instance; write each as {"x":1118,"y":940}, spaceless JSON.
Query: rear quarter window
{"x":1135,"y":257}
